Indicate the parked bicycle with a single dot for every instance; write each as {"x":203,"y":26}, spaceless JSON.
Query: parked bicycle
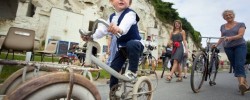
{"x":77,"y":56}
{"x":205,"y":66}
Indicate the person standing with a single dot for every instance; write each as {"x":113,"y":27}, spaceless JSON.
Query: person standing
{"x":177,"y":36}
{"x":235,"y":47}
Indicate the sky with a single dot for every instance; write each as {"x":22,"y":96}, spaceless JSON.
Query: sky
{"x":206,"y":15}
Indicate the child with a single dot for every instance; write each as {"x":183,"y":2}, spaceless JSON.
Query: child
{"x":123,"y":21}
{"x":71,"y":52}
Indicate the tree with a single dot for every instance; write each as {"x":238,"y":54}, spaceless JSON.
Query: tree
{"x":167,"y":14}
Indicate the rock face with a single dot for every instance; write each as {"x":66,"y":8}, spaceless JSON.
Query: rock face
{"x":36,"y":15}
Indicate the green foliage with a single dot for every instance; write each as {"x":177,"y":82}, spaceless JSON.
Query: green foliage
{"x":167,"y":14}
{"x":164,"y":11}
{"x":8,"y":70}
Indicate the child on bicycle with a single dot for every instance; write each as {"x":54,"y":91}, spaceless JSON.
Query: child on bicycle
{"x":123,"y":21}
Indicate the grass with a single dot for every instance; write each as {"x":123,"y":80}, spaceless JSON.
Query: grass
{"x":8,"y":70}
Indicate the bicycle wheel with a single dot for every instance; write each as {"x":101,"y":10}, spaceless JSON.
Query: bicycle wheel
{"x":198,"y":72}
{"x":213,"y":70}
{"x":164,"y":66}
{"x":15,"y":80}
{"x":96,"y":73}
{"x":142,"y":89}
{"x":55,"y":86}
{"x":153,"y":64}
{"x":142,"y":66}
{"x":65,"y":60}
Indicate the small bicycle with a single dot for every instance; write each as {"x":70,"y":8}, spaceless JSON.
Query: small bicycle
{"x":139,"y":88}
{"x":205,"y":66}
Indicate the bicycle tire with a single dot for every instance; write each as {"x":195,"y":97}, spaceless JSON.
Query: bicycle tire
{"x":199,"y":69}
{"x":142,"y":66}
{"x":46,"y":88}
{"x":213,"y":70}
{"x":96,"y":74}
{"x":142,"y":85}
{"x":164,"y":66}
{"x":65,"y":60}
{"x":15,"y":80}
{"x":153,"y":63}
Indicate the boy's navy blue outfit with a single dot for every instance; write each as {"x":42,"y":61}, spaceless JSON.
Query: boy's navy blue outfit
{"x":129,"y":47}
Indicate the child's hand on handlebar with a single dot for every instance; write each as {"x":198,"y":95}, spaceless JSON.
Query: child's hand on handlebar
{"x":114,"y":29}
{"x":86,"y":38}
{"x":214,"y":46}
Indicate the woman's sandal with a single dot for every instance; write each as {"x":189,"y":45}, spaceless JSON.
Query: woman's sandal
{"x":169,"y":78}
{"x":179,"y":79}
{"x":243,"y":89}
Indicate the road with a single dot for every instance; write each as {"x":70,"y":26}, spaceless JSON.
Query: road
{"x":226,"y":89}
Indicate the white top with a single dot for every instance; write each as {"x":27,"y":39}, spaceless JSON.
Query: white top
{"x":128,"y":20}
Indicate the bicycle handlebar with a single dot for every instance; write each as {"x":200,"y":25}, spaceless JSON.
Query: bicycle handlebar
{"x":214,"y":37}
{"x":105,"y":23}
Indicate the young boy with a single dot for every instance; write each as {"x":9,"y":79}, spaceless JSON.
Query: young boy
{"x":123,"y":21}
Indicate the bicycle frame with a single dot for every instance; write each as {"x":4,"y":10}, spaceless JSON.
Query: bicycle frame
{"x":207,"y":54}
{"x":91,"y":58}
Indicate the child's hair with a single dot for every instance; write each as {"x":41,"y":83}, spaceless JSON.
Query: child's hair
{"x":130,"y":1}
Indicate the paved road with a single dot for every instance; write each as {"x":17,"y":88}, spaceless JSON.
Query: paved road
{"x":226,"y":89}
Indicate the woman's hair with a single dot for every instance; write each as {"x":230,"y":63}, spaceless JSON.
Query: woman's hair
{"x":178,"y":21}
{"x":130,"y":1}
{"x":227,"y":11}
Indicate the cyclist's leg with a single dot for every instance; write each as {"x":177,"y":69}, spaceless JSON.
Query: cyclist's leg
{"x":116,"y":64}
{"x":134,"y":50}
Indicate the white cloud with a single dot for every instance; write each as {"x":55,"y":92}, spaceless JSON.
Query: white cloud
{"x":206,"y":15}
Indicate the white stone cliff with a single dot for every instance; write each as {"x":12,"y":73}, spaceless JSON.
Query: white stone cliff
{"x":89,"y":10}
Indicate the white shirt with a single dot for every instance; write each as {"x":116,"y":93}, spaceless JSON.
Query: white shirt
{"x":128,"y":20}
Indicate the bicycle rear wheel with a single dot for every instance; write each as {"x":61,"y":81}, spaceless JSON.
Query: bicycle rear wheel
{"x":213,"y":70}
{"x":198,"y":72}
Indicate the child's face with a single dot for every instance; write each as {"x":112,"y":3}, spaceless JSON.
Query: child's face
{"x":120,"y":5}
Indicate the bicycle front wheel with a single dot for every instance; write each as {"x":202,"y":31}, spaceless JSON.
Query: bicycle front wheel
{"x":198,"y":72}
{"x":213,"y":70}
{"x":55,"y":86}
{"x":164,"y":66}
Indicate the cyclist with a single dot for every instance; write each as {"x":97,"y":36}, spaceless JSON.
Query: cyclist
{"x":123,"y":21}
